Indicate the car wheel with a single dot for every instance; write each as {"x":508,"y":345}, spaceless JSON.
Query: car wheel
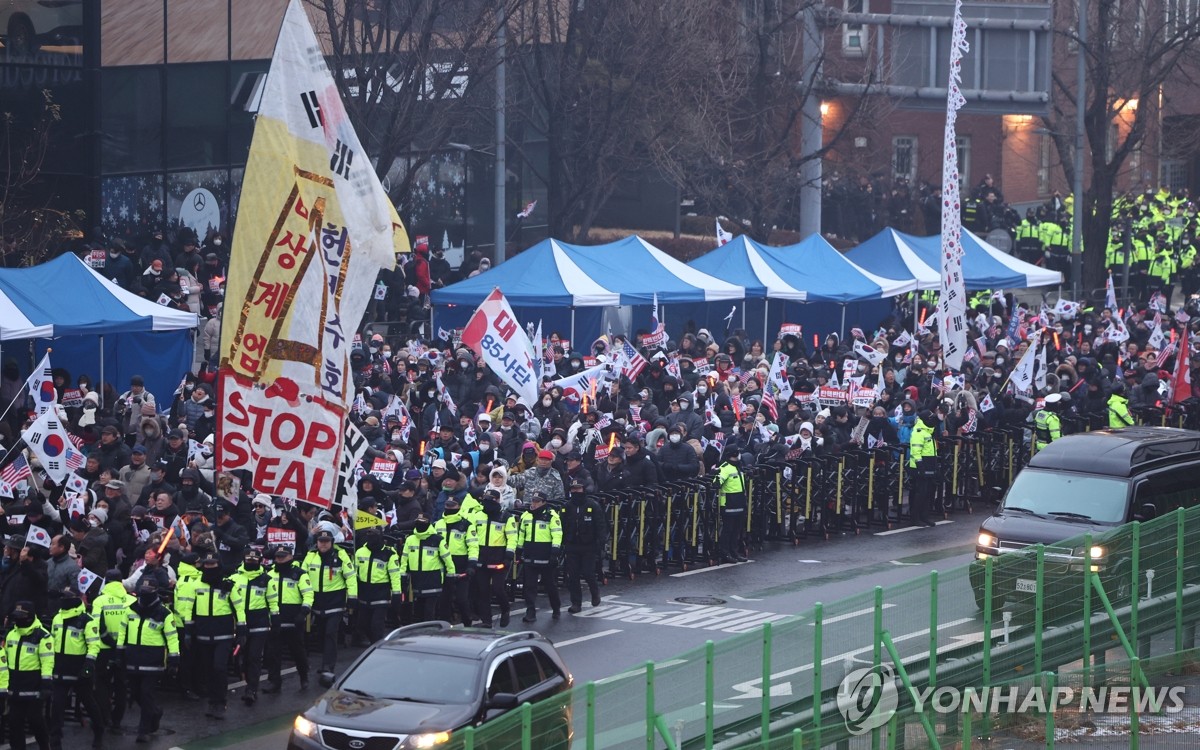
{"x":21,"y":41}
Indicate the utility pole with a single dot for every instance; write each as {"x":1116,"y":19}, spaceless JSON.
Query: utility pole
{"x":501,"y":182}
{"x":1077,"y":216}
{"x":811,"y":134}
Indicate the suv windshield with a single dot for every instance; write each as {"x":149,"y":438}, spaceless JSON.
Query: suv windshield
{"x":395,"y":674}
{"x":1061,"y":494}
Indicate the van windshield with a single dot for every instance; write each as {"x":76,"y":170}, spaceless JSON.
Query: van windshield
{"x":1062,"y":494}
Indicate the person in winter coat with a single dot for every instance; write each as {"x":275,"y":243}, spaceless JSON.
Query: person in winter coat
{"x":905,"y":422}
{"x":91,"y":542}
{"x":641,"y":468}
{"x":23,"y":577}
{"x":677,"y":459}
{"x":194,"y":407}
{"x":498,"y":481}
{"x":681,"y":413}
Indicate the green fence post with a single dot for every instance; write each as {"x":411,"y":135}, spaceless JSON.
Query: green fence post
{"x":650,"y":705}
{"x":988,"y":574}
{"x":1135,"y":571}
{"x":526,"y":726}
{"x":1179,"y":526}
{"x":1048,"y":688}
{"x":966,"y":720}
{"x":797,"y":740}
{"x":1087,"y":609}
{"x":469,"y":738}
{"x":1135,"y":719}
{"x":818,"y":633}
{"x":876,"y":650}
{"x":1039,"y":607}
{"x":933,"y":628}
{"x":709,"y":700}
{"x":590,"y":738}
{"x":766,"y":685}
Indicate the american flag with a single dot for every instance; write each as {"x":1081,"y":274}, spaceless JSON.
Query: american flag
{"x":1158,"y":363}
{"x":16,"y":471}
{"x":632,"y":363}
{"x":74,"y":459}
{"x":768,"y":403}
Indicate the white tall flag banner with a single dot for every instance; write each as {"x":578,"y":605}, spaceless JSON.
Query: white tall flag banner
{"x":1022,"y":374}
{"x":1039,"y":377}
{"x":315,"y":228}
{"x":41,"y":386}
{"x":952,"y":304}
{"x":722,"y":235}
{"x":539,"y":353}
{"x":494,"y":334}
{"x":777,"y":381}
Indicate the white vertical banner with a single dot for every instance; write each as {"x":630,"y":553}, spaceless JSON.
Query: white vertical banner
{"x":952,"y":304}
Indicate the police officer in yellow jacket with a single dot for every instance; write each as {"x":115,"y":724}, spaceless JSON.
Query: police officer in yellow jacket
{"x":1047,"y":427}
{"x":731,"y":497}
{"x":379,"y":584}
{"x":149,"y":642}
{"x":109,"y":608}
{"x":1118,"y":407}
{"x":922,"y":463}
{"x":335,"y":591}
{"x":290,"y":598}
{"x":75,"y":640}
{"x":496,"y":535}
{"x":540,"y":541}
{"x":250,"y":586}
{"x":28,"y":663}
{"x":425,"y":562}
{"x":213,"y":619}
{"x":458,"y":530}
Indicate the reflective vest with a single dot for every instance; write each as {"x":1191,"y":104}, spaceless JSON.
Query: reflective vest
{"x":287,"y":591}
{"x":540,"y":535}
{"x":214,"y":610}
{"x":1118,"y":412}
{"x":148,"y":639}
{"x":459,"y":533}
{"x":27,"y":662}
{"x":251,"y":586}
{"x":1046,"y":428}
{"x":496,"y":538}
{"x":729,"y":482}
{"x":74,"y":637}
{"x":109,"y":609}
{"x":378,"y":574}
{"x":1163,"y":266}
{"x":921,"y":443}
{"x":426,"y":561}
{"x":332,"y":574}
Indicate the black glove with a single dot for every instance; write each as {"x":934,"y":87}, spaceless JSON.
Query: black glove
{"x":88,"y":668}
{"x":351,"y":604}
{"x":304,"y":613}
{"x":276,"y":624}
{"x":397,"y":599}
{"x":172,"y":665}
{"x":510,"y":558}
{"x":242,"y":632}
{"x":471,"y":567}
{"x":46,"y":690}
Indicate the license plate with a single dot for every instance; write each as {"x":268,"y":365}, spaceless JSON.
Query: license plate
{"x":1026,"y":586}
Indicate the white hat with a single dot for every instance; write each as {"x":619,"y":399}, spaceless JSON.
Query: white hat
{"x":262,"y":499}
{"x":439,"y":464}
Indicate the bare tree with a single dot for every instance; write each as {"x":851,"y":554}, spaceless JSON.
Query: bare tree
{"x":31,"y":230}
{"x":738,"y":145}
{"x":1134,"y":52}
{"x":407,"y":71}
{"x":594,"y":85}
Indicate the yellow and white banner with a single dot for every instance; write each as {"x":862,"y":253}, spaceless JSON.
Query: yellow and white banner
{"x":314,"y":229}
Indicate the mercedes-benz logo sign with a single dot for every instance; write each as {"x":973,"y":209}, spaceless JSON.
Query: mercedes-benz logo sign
{"x":199,"y":201}
{"x":357,"y":744}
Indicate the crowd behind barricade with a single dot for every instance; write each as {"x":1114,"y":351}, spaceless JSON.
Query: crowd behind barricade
{"x":148,"y":569}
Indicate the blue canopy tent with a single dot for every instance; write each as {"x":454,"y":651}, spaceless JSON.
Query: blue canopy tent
{"x":811,"y":272}
{"x":556,"y":282}
{"x":984,"y":267}
{"x":888,"y":254}
{"x":94,"y":325}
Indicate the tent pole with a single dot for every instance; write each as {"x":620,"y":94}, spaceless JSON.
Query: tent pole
{"x":573,"y":341}
{"x":101,"y":394}
{"x":766,"y":310}
{"x":843,"y":334}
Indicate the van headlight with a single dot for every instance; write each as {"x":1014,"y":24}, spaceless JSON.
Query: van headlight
{"x":429,"y":739}
{"x":305,"y":728}
{"x":986,"y":539}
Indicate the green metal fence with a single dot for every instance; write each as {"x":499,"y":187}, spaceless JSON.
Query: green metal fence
{"x":1114,"y":609}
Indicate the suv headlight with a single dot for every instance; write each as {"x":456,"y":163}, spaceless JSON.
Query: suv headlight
{"x":986,"y":539}
{"x":429,"y":739}
{"x":305,"y":727}
{"x":1096,"y":552}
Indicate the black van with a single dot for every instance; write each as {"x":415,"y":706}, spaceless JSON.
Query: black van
{"x":1087,"y":483}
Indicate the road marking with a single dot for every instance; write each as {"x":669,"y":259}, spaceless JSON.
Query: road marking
{"x":849,"y":615}
{"x":640,"y":670}
{"x":743,"y":598}
{"x":709,"y":569}
{"x":610,"y":597}
{"x":583,"y":638}
{"x":810,"y":562}
{"x":909,"y":528}
{"x":242,"y":683}
{"x":897,"y":562}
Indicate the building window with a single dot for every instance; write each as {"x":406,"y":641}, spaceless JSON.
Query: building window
{"x":854,"y":35}
{"x":1043,"y":169}
{"x":963,"y":145}
{"x":904,"y":157}
{"x":1174,"y":174}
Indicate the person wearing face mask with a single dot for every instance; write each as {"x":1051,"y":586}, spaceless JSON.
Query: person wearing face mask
{"x":109,"y":609}
{"x":213,"y":616}
{"x":732,"y":502}
{"x":378,"y":569}
{"x":456,"y":527}
{"x":250,"y":585}
{"x":880,"y":427}
{"x":496,"y":533}
{"x":539,"y":542}
{"x":149,"y":641}
{"x":426,"y":562}
{"x":289,"y":599}
{"x":548,"y":414}
{"x":677,"y":458}
{"x":584,"y":531}
{"x":802,"y":444}
{"x":922,"y":463}
{"x":26,"y":678}
{"x":543,"y":478}
{"x":75,"y":640}
{"x":335,"y":590}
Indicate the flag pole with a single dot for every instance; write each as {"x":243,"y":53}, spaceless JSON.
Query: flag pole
{"x":21,"y":392}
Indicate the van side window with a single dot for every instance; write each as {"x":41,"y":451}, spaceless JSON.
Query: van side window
{"x":1168,"y":490}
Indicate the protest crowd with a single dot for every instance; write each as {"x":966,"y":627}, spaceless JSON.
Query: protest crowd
{"x":130,"y":566}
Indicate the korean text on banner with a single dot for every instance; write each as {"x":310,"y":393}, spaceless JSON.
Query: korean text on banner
{"x":952,"y":304}
{"x":494,"y":334}
{"x":315,"y":227}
